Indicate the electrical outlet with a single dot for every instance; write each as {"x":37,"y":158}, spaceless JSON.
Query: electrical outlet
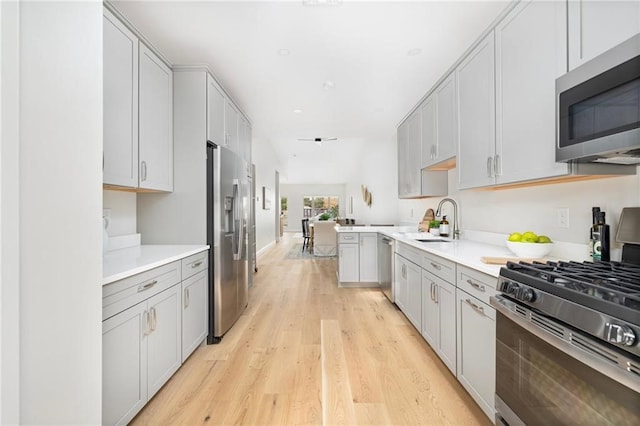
{"x":411,"y":213}
{"x":562,"y":217}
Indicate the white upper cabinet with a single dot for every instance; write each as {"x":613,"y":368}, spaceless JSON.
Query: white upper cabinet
{"x":476,"y":115}
{"x":429,"y":133}
{"x":530,"y":55}
{"x":156,"y":122}
{"x":440,"y":124}
{"x":120,"y":91}
{"x":409,"y":159}
{"x":231,"y":125}
{"x":215,"y":112}
{"x":244,"y":140}
{"x":446,"y":119}
{"x":597,"y":26}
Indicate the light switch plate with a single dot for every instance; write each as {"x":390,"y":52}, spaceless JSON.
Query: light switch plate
{"x":562,"y":217}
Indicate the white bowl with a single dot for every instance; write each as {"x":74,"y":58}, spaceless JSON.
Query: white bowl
{"x":531,"y":250}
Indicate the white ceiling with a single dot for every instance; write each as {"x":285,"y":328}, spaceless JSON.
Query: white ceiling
{"x":362,"y":47}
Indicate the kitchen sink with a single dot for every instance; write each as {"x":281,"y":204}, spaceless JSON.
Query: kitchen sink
{"x":434,"y":240}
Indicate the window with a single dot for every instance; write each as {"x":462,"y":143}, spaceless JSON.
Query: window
{"x":314,"y":205}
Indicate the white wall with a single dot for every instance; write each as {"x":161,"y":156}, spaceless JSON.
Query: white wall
{"x":378,"y":171}
{"x":9,"y":217}
{"x":123,"y":212}
{"x":266,"y":162}
{"x":295,"y":194}
{"x":60,"y":206}
{"x":534,"y":208}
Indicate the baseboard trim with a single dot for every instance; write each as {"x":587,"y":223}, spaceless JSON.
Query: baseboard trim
{"x":266,"y":248}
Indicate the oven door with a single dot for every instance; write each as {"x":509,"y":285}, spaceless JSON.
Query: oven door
{"x":542,"y":379}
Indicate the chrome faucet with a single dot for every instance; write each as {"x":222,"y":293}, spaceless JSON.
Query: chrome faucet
{"x":456,"y":231}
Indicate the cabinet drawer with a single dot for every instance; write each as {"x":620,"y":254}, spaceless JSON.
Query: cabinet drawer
{"x":476,"y":283}
{"x":439,"y":266}
{"x":120,"y":295}
{"x":193,"y":264}
{"x":348,"y":237}
{"x":410,"y":253}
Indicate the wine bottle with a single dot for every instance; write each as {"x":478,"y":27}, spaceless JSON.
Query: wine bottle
{"x":601,"y":243}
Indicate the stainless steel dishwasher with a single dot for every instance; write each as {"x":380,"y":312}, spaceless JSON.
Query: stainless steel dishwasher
{"x":385,"y":266}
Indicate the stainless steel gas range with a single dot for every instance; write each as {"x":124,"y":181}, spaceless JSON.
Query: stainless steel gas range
{"x":567,"y":343}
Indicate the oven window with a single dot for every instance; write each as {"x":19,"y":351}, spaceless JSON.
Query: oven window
{"x":607,"y":104}
{"x":543,"y":385}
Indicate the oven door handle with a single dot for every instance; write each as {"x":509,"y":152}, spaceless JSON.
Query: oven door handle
{"x":577,"y":345}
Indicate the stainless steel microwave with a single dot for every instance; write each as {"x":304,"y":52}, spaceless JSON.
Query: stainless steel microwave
{"x":598,"y":108}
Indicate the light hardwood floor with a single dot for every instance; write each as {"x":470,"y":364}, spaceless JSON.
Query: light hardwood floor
{"x":307,"y":352}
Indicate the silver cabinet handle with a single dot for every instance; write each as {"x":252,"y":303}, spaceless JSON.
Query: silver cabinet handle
{"x":147,"y":286}
{"x":476,"y":286}
{"x":432,"y":296}
{"x":145,"y":319}
{"x":186,"y":298}
{"x":143,"y":170}
{"x":478,"y":309}
{"x":489,"y":161}
{"x":154,"y":319}
{"x":404,"y":271}
{"x":435,"y":266}
{"x":195,"y":265}
{"x":347,"y":238}
{"x":435,"y":292}
{"x":496,"y":166}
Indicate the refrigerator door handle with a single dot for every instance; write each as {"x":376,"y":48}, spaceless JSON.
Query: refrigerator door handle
{"x":237,"y":220}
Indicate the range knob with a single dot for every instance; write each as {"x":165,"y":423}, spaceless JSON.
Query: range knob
{"x":511,"y":288}
{"x":620,"y":334}
{"x":526,"y":295}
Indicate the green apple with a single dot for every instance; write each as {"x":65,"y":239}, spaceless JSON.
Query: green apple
{"x":544,"y":239}
{"x":515,"y":237}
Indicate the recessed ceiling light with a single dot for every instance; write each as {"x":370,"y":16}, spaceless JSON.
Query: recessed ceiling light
{"x":297,"y":111}
{"x":414,"y":52}
{"x":284,"y":52}
{"x":328,"y":85}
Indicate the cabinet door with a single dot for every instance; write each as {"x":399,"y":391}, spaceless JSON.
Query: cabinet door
{"x":446,"y":119}
{"x":477,"y":350}
{"x":428,"y":138}
{"x":414,"y":155}
{"x":120,"y":114}
{"x":446,"y":301}
{"x":401,"y":282}
{"x":124,"y":367}
{"x":194,"y":312}
{"x":215,"y":112}
{"x":368,"y":257}
{"x":163,"y":343}
{"x":231,"y":125}
{"x":430,"y":314}
{"x":244,"y":140}
{"x":403,"y":140}
{"x":413,"y":303}
{"x":597,"y":26}
{"x":530,"y":55}
{"x":156,"y":118}
{"x":476,"y":115}
{"x":348,"y":263}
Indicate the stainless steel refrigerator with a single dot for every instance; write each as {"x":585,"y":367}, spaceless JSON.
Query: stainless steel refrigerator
{"x":227,"y":213}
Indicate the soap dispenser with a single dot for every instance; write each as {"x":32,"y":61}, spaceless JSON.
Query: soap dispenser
{"x":444,"y":227}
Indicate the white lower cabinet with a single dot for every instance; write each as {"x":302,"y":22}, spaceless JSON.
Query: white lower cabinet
{"x":163,"y":338}
{"x":151,"y":322}
{"x":140,"y":351}
{"x":348,"y":255}
{"x":439,"y":317}
{"x":194,"y":313}
{"x":358,"y":259}
{"x":476,"y":330}
{"x":124,"y":365}
{"x":408,"y":289}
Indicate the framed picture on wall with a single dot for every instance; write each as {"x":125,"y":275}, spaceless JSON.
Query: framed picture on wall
{"x":266,"y":198}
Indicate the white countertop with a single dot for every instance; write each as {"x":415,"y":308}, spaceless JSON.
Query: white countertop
{"x":463,"y":252}
{"x":123,"y":263}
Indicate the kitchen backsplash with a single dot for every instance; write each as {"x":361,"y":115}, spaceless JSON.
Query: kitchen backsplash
{"x":536,"y":208}
{"x":123,"y":212}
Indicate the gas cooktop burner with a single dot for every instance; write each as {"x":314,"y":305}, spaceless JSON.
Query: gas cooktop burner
{"x":611,"y":281}
{"x":608,"y":287}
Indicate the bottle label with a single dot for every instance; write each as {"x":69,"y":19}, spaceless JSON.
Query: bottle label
{"x":597,"y":250}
